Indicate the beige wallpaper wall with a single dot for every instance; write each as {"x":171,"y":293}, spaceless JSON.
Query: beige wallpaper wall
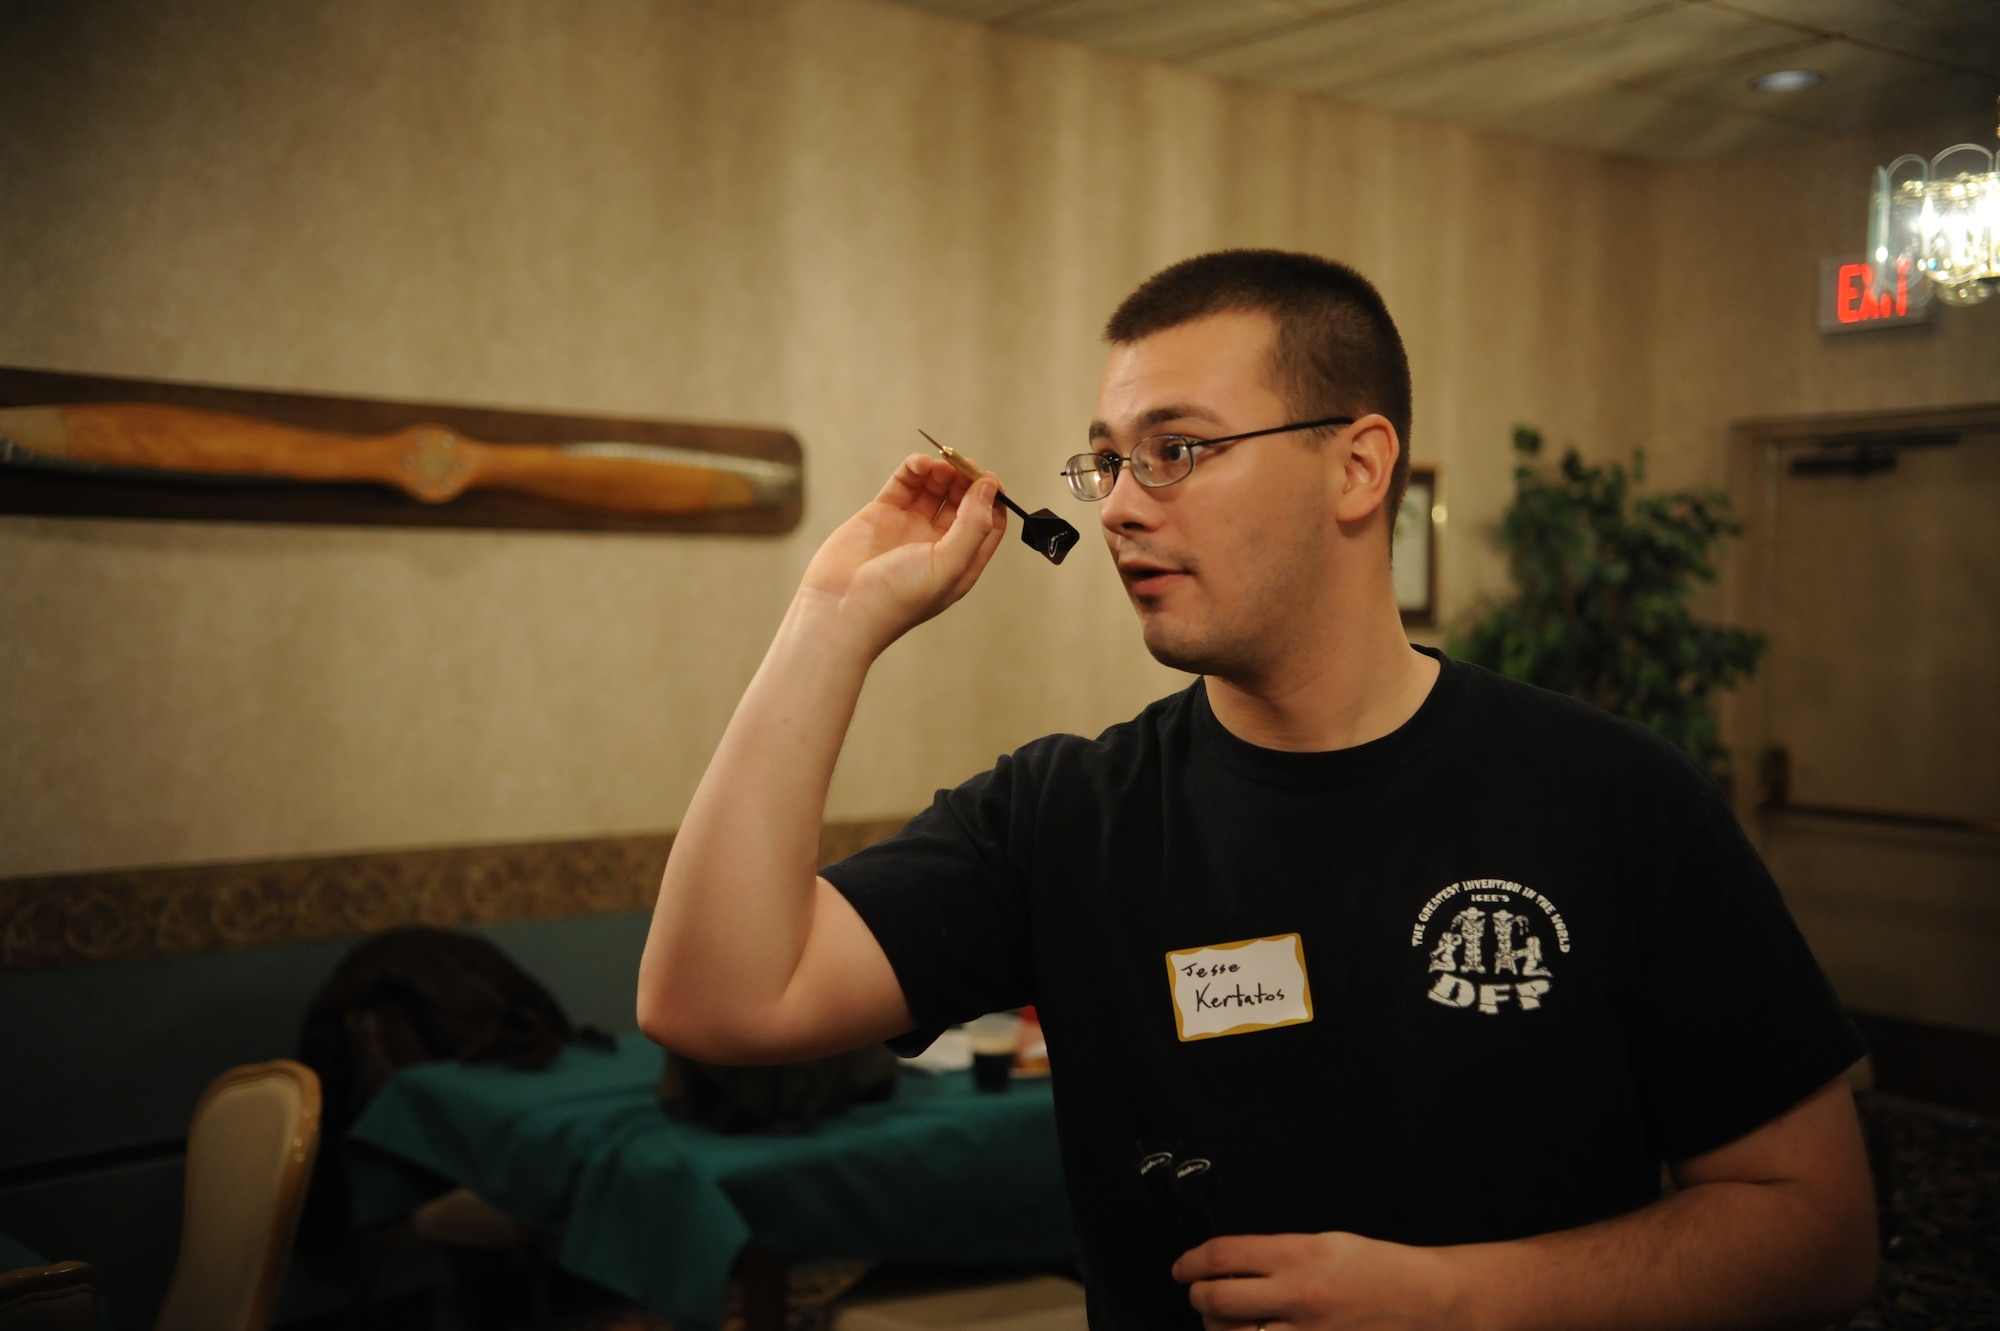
{"x":831,"y":215}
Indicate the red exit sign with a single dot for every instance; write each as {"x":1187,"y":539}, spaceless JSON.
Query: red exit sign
{"x":1850,"y":299}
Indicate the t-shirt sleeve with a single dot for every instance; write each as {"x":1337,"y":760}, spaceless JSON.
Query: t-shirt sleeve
{"x":946,"y":900}
{"x":1734,"y":1021}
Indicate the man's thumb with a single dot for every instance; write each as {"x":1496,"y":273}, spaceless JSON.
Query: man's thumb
{"x":974,"y":519}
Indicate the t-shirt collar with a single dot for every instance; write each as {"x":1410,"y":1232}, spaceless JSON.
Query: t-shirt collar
{"x":1332,"y":767}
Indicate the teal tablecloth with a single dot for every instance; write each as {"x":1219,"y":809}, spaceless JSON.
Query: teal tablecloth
{"x":658,"y":1210}
{"x":15,"y":1254}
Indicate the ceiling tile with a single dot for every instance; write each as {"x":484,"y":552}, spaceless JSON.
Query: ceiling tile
{"x":1638,"y":123}
{"x":1653,"y":45}
{"x":1905,"y":101}
{"x":1524,"y":95}
{"x":1957,"y":32}
{"x":1969,"y":38}
{"x":1158,"y":29}
{"x":1353,"y":43}
{"x":1647,"y":78}
{"x":1473,"y":91}
{"x":1846,"y":15}
{"x":1484,"y":25}
{"x":1331,"y":51}
{"x":1863,"y":89}
{"x":1844,"y":65}
{"x":998,"y":12}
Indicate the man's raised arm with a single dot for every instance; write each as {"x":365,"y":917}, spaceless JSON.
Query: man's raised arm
{"x":752,"y":957}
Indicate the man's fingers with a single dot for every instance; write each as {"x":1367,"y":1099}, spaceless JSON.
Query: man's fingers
{"x":975,"y":531}
{"x":1227,"y":1279}
{"x":920,"y":482}
{"x":1231,"y":1301}
{"x":984,"y":554}
{"x":1230,"y":1255}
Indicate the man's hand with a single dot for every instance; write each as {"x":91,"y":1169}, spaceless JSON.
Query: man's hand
{"x":914,"y":550}
{"x":1315,"y":1282}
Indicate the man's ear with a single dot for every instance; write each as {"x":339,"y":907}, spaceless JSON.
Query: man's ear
{"x":1369,"y":464}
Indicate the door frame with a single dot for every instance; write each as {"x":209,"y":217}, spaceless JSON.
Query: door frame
{"x":1758,"y":449}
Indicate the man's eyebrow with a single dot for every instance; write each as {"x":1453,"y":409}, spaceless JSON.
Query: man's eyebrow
{"x":1172,"y":411}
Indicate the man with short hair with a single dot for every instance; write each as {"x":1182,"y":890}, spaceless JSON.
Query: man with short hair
{"x":1377,"y":987}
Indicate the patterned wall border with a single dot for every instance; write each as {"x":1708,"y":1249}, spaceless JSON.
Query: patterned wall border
{"x":182,"y":910}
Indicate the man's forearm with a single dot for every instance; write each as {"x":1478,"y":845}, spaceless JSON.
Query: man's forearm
{"x":736,"y":901}
{"x":1723,"y":1254}
{"x":1720,"y":1255}
{"x":1775,"y":1229}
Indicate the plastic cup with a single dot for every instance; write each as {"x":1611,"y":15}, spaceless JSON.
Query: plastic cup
{"x":994,"y":1037}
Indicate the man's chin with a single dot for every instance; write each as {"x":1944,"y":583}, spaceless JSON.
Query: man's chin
{"x":1180,"y":651}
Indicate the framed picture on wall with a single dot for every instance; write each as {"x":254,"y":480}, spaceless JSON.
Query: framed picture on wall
{"x":1414,"y":552}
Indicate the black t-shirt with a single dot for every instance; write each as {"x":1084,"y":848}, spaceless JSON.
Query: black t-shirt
{"x":1538,"y":954}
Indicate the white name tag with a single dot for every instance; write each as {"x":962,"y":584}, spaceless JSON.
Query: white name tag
{"x":1231,"y":988}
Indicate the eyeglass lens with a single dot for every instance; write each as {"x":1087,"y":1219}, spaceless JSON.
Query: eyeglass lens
{"x":1158,"y":460}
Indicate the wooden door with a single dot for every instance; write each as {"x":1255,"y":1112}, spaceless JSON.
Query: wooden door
{"x":1877,"y":576}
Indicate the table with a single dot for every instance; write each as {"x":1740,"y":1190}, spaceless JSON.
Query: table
{"x":660,"y":1210}
{"x":16,"y":1255}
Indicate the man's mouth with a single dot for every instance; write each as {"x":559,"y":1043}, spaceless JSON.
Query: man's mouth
{"x":1143,"y":577}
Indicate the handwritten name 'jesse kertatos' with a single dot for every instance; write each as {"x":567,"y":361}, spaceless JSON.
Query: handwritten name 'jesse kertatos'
{"x":1236,"y":997}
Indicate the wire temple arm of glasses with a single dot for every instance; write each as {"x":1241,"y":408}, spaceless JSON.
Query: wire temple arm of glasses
{"x":1327,"y":422}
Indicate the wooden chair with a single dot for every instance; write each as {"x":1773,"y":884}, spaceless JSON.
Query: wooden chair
{"x":250,"y":1151}
{"x":61,"y":1297}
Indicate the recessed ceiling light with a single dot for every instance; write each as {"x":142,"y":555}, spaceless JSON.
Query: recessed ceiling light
{"x":1788,"y":80}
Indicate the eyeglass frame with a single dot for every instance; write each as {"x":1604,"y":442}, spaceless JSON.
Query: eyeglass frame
{"x":1193,"y":443}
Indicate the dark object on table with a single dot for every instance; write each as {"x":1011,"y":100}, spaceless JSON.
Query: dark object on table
{"x":60,"y":1297}
{"x":416,"y":995}
{"x":784,"y":1098}
{"x":992,"y":1072}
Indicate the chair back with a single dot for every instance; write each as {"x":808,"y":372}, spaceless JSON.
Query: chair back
{"x":250,"y":1148}
{"x":62,"y":1297}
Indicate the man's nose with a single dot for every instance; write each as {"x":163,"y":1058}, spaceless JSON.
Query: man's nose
{"x":1130,"y":506}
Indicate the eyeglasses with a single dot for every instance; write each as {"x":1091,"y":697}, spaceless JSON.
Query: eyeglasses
{"x":1160,"y":459}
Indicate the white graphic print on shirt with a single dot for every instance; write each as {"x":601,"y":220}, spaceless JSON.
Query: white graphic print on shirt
{"x":1481,"y":930}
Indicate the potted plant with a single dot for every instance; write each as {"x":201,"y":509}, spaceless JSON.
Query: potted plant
{"x":1603,"y":576}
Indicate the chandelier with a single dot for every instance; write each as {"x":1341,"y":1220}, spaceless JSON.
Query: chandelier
{"x":1926,"y":219}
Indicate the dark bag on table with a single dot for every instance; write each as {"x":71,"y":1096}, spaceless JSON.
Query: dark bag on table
{"x":784,"y":1098}
{"x":416,"y":995}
